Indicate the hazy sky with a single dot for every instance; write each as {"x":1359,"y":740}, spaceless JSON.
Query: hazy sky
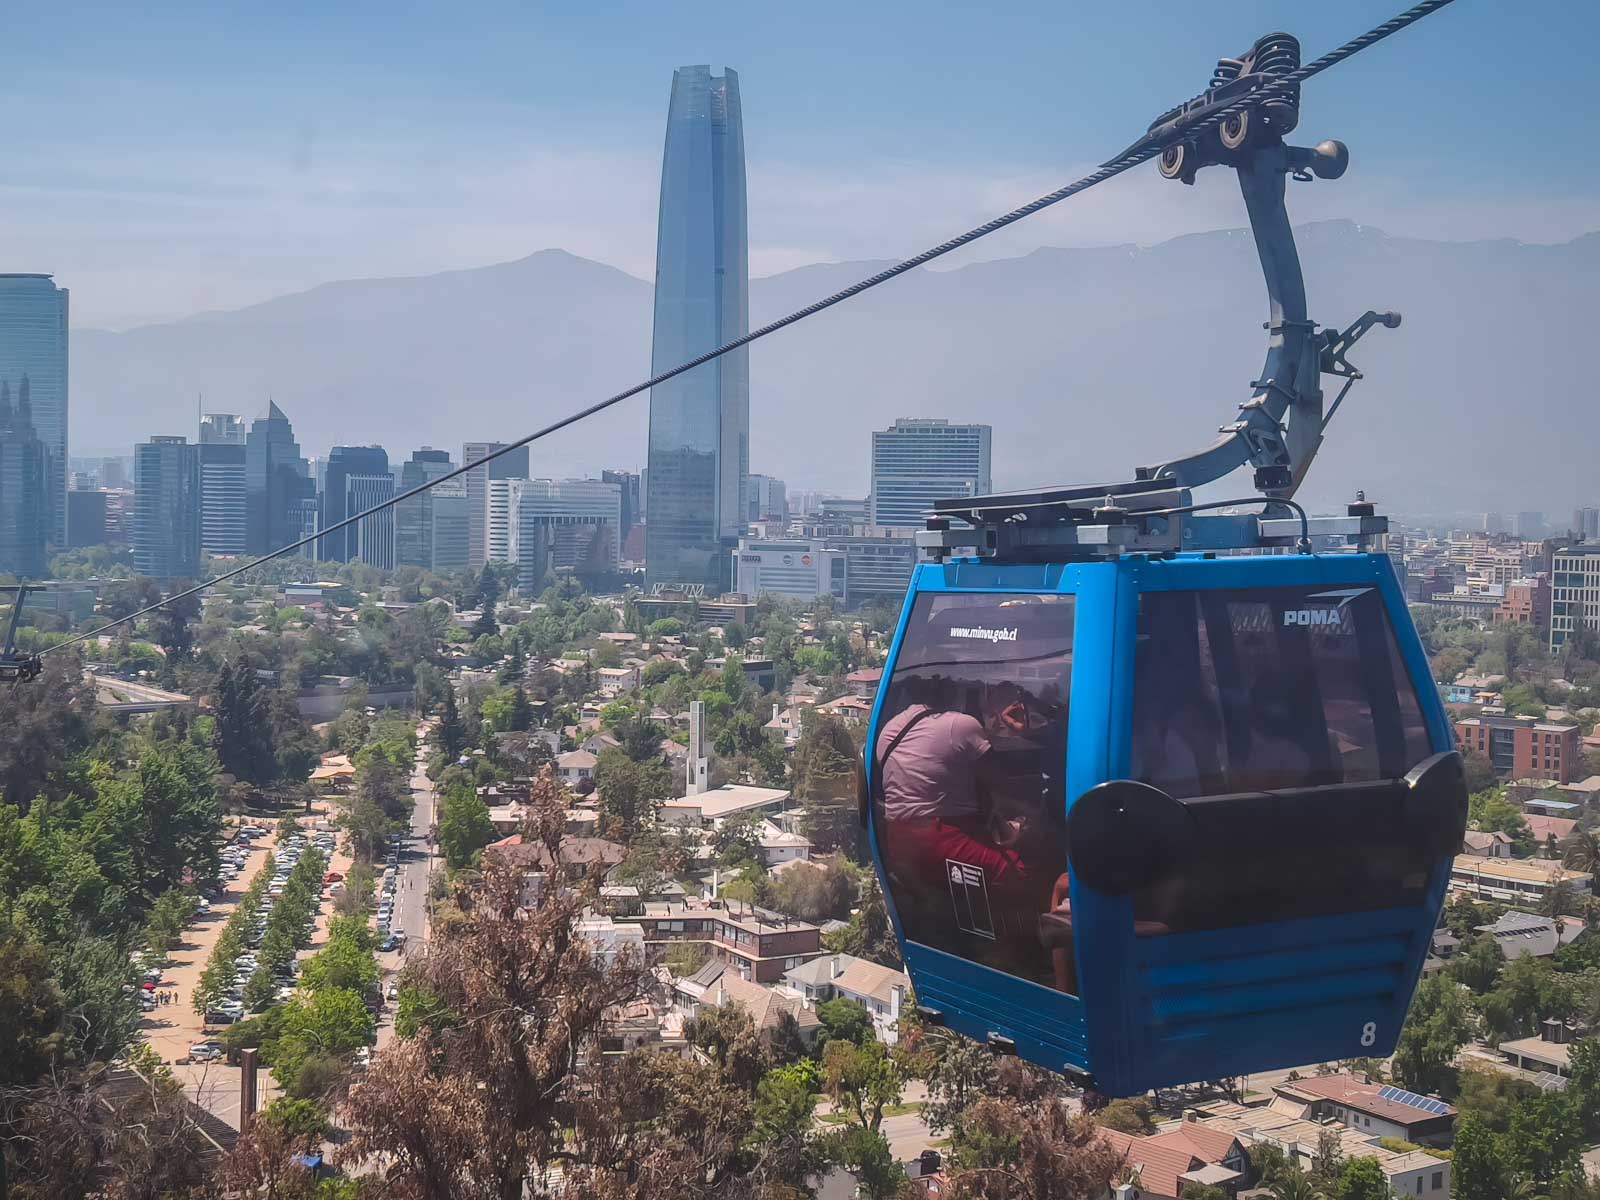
{"x":166,"y":159}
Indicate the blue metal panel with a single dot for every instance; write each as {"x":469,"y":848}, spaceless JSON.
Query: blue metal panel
{"x":1047,"y":1026}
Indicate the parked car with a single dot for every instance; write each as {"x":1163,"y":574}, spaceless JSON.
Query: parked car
{"x":219,"y":1016}
{"x":209,"y":1050}
{"x":393,"y":991}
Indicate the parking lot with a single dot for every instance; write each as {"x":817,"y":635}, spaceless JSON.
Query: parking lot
{"x":175,"y":1030}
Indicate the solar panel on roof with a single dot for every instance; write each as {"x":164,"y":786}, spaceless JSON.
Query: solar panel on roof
{"x":1426,"y":1103}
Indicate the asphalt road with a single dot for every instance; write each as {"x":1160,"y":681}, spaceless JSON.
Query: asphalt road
{"x":411,"y":892}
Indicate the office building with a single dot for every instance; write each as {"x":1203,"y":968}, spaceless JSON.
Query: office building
{"x":799,"y":570}
{"x":166,"y":508}
{"x":512,"y":465}
{"x":502,"y":529}
{"x":277,"y":483}
{"x":878,"y":565}
{"x":115,"y":473}
{"x":630,"y":487}
{"x":356,"y":478}
{"x":917,"y":461}
{"x":567,"y":525}
{"x":1586,"y":524}
{"x":24,"y":508}
{"x":86,"y":518}
{"x":448,"y":525}
{"x":766,"y":499}
{"x":33,"y":346}
{"x":222,"y":429}
{"x":413,"y":519}
{"x":371,"y":539}
{"x":222,"y":495}
{"x":1575,"y":591}
{"x":699,"y":421}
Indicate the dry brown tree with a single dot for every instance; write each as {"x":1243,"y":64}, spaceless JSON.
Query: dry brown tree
{"x":480,"y":1106}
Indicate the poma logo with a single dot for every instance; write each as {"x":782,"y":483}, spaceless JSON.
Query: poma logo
{"x":1322,"y":617}
{"x":1331,"y":617}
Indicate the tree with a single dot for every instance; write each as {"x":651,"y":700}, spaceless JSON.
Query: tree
{"x":1328,"y":1161}
{"x":845,"y":1020}
{"x":866,"y":1155}
{"x":100,"y":1007}
{"x":46,"y":723}
{"x":1558,"y":898}
{"x":464,"y":825}
{"x":1012,"y":1150}
{"x":1581,"y":851}
{"x":30,"y":1006}
{"x":869,"y":934}
{"x":1480,"y":772}
{"x":243,"y":726}
{"x":631,"y":791}
{"x":730,"y":1040}
{"x":785,"y":1105}
{"x":861,"y":1080}
{"x":343,"y":964}
{"x":484,"y":1110}
{"x":451,"y":735}
{"x":1362,"y":1179}
{"x":813,"y":892}
{"x":1546,"y":1136}
{"x":1476,"y":1162}
{"x":1477,"y":965}
{"x":1132,"y":1115}
{"x":327,"y":1024}
{"x":958,"y":1072}
{"x":1437,"y":1026}
{"x":486,"y":625}
{"x":824,"y":764}
{"x":1294,"y":1184}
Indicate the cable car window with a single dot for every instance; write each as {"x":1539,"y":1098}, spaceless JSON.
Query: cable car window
{"x":970,"y":798}
{"x":1284,"y":716}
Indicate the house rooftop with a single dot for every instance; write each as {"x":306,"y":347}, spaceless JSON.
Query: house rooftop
{"x":1392,"y":1104}
{"x":865,"y":978}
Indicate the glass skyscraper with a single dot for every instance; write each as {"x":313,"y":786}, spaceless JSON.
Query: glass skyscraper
{"x":277,"y":483}
{"x":23,"y":530}
{"x":166,"y":498}
{"x":33,"y":346}
{"x":357,"y":477}
{"x":699,"y":422}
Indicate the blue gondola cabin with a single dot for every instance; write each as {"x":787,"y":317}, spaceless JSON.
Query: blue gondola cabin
{"x":1151,"y":820}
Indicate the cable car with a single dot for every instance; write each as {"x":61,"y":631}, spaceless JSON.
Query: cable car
{"x":1157,"y":792}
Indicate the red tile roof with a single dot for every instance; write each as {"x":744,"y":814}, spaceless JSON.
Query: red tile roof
{"x":1213,"y":1145}
{"x":1161,"y":1163}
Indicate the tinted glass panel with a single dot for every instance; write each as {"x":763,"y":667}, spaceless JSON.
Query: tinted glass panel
{"x":970,"y":800}
{"x":1283,"y":716}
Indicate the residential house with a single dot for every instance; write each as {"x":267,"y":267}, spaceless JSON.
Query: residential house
{"x":814,"y":980}
{"x":1409,"y":1173}
{"x":617,"y":681}
{"x":852,"y":710}
{"x":1374,"y":1109}
{"x":596,"y":742}
{"x":718,"y":804}
{"x":779,"y":846}
{"x":578,"y":855}
{"x":1520,"y":933}
{"x":880,"y":990}
{"x":611,"y":939}
{"x":864,"y":683}
{"x":767,"y":1006}
{"x":1549,"y":831}
{"x":575,"y":767}
{"x":1166,"y":1165}
{"x":1486,"y":845}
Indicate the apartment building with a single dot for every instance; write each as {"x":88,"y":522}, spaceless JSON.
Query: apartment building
{"x":759,"y":945}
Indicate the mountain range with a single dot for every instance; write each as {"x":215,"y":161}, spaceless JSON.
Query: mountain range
{"x":1086,"y":362}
